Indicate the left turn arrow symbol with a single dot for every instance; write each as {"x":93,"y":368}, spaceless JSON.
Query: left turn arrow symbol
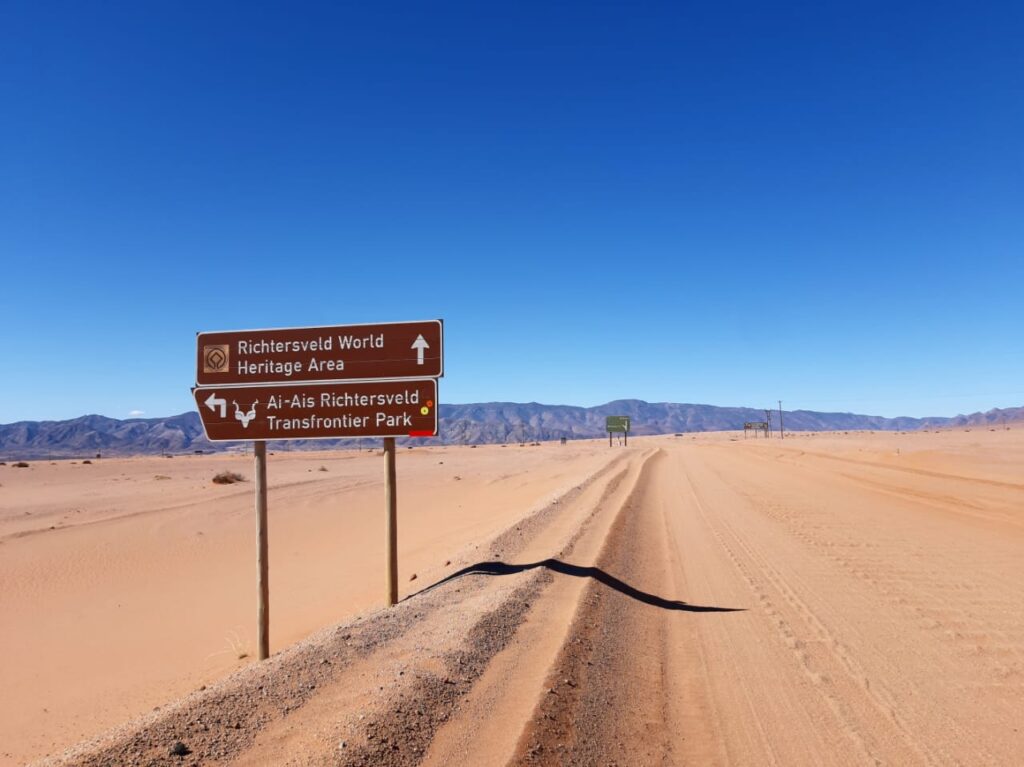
{"x":213,"y":402}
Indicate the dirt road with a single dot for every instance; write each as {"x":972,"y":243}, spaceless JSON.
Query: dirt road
{"x":813,"y":602}
{"x":881,"y":621}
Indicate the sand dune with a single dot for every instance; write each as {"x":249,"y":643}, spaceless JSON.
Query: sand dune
{"x":830,"y":599}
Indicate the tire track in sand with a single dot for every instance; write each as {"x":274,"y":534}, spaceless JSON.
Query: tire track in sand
{"x":839,"y":684}
{"x":610,"y":696}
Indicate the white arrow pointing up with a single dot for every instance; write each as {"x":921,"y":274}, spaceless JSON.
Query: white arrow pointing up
{"x":419,"y":345}
{"x":213,"y":401}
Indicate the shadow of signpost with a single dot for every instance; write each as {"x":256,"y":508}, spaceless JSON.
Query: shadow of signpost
{"x":599,"y":575}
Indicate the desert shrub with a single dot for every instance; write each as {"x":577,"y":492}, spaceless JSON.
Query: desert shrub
{"x":86,"y":461}
{"x":228,"y":478}
{"x":20,"y":465}
{"x":322,"y":468}
{"x":161,"y":476}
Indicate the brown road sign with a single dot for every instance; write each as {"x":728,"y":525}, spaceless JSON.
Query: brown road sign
{"x":334,"y":353}
{"x":405,"y":408}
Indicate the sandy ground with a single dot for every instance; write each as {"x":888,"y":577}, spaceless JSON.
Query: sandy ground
{"x":828,"y":599}
{"x":126,"y":583}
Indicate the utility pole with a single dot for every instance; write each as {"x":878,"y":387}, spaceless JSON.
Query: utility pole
{"x":768,"y":419}
{"x":782,"y":430}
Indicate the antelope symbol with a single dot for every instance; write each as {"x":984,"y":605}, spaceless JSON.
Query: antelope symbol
{"x":245,"y":417}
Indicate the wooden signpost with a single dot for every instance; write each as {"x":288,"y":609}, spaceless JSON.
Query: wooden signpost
{"x":346,"y":381}
{"x":262,"y":552}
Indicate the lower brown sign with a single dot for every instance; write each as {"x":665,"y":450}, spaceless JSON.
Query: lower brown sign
{"x":406,"y":408}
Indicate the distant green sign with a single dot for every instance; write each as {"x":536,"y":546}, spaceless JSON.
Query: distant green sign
{"x":618,"y":423}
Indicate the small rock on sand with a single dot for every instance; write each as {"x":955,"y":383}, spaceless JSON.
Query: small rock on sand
{"x":180,"y":749}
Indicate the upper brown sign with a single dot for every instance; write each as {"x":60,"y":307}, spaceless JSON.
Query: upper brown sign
{"x":337,"y":353}
{"x":406,"y":408}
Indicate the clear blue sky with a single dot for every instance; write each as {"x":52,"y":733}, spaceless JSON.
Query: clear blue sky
{"x":700,"y":202}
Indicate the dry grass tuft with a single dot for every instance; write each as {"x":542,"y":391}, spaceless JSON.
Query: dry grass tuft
{"x":228,"y":478}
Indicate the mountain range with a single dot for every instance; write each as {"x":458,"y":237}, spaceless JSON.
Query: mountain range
{"x":481,"y":423}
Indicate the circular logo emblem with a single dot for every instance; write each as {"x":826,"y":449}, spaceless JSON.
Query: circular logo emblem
{"x":215,"y":359}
